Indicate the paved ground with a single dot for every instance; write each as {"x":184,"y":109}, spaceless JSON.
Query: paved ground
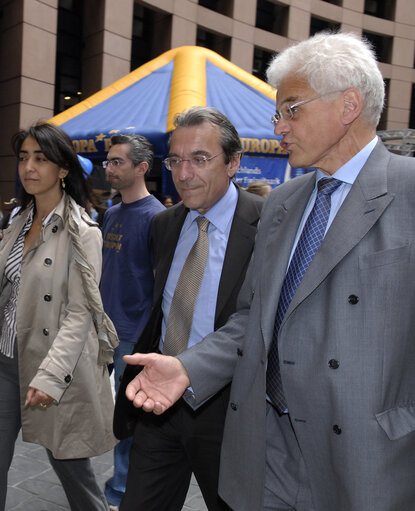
{"x":33,"y":485}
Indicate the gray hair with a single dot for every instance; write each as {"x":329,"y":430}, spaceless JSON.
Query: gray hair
{"x":229,"y":138}
{"x":140,"y":148}
{"x":334,"y":62}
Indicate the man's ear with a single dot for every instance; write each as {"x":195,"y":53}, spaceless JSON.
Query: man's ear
{"x":234,"y":164}
{"x":352,"y":105}
{"x":142,"y":168}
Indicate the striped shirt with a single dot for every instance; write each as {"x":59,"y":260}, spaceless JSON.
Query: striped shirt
{"x":12,"y":272}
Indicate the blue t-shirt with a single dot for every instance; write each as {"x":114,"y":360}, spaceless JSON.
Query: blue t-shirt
{"x":127,"y":267}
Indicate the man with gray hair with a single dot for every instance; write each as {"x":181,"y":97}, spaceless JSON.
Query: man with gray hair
{"x":321,"y":349}
{"x":202,"y":249}
{"x":127,"y":266}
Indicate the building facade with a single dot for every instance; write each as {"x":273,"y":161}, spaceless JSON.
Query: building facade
{"x":54,"y":53}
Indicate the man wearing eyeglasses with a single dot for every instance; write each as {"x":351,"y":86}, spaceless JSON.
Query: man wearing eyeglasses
{"x":321,"y":349}
{"x":197,"y":294}
{"x":127,"y":269}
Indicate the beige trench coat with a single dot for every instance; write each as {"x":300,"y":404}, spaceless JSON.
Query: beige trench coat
{"x":57,"y":342}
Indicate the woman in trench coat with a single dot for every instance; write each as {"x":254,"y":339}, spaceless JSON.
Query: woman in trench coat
{"x":55,"y":340}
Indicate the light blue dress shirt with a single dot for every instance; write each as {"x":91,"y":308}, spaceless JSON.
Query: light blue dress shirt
{"x":220,"y":217}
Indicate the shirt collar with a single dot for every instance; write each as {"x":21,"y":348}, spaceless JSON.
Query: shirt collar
{"x":222,"y":212}
{"x":350,"y":170}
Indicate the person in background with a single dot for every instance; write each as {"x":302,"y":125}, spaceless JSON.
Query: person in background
{"x":168,"y":201}
{"x":55,"y":339}
{"x":321,"y":351}
{"x":127,"y":273}
{"x":219,"y":221}
{"x":261,"y":188}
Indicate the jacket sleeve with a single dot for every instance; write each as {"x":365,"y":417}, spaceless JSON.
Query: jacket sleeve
{"x":56,"y":371}
{"x":210,"y":364}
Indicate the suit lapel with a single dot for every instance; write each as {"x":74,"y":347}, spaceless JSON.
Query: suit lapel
{"x":280,"y":238}
{"x":365,"y":203}
{"x":166,"y":248}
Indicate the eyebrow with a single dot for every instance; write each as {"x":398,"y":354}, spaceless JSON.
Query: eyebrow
{"x":193,"y":153}
{"x":290,"y":100}
{"x":27,"y":152}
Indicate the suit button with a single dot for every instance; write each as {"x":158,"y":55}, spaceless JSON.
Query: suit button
{"x":234,"y":406}
{"x":47,"y":298}
{"x":55,"y":228}
{"x":68,"y":378}
{"x":46,"y":331}
{"x":353,"y":299}
{"x":48,"y":261}
{"x":334,"y":364}
{"x":240,"y":352}
{"x":337,"y":429}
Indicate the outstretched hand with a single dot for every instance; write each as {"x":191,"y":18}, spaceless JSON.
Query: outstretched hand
{"x":159,"y":385}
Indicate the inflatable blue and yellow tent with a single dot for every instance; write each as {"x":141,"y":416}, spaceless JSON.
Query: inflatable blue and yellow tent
{"x":146,"y":101}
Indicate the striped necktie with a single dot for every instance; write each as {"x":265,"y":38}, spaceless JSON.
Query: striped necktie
{"x":179,"y":324}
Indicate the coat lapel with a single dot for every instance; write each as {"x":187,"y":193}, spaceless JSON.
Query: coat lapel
{"x":280,"y":238}
{"x":10,"y":234}
{"x":365,"y":203}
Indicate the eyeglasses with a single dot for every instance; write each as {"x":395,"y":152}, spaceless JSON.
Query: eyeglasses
{"x":112,"y":163}
{"x":197,"y":162}
{"x":288,"y":111}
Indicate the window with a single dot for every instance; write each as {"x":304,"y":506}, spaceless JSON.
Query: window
{"x":261,"y":60}
{"x":381,"y":8}
{"x":319,"y":24}
{"x":68,"y":74}
{"x":219,"y":44}
{"x":151,"y":35}
{"x":384,"y":117}
{"x":223,"y":6}
{"x":272,"y":17}
{"x":382,"y":46}
{"x":412,"y":112}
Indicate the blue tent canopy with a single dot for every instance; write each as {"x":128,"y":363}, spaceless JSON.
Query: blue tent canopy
{"x":147,"y":100}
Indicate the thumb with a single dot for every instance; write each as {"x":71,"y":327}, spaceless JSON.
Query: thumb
{"x":138,"y":359}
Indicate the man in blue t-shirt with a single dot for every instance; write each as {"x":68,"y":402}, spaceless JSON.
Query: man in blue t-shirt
{"x":127,"y":272}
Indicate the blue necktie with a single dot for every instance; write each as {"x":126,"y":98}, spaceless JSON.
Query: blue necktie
{"x":307,"y":246}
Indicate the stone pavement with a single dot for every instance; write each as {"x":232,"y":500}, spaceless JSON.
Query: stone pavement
{"x":33,"y":485}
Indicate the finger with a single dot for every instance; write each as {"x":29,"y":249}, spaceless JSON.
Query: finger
{"x":132,"y":389}
{"x":148,"y":405}
{"x":29,"y":396}
{"x":136,"y":359}
{"x":139,"y":399}
{"x":159,"y":408}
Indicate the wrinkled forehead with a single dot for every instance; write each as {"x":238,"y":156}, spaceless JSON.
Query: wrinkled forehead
{"x":293,"y":88}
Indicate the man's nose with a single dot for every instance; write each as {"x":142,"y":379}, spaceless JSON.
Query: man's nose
{"x":282,"y":127}
{"x":185,"y":171}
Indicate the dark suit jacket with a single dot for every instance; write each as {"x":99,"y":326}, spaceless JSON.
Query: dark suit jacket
{"x":166,"y":229}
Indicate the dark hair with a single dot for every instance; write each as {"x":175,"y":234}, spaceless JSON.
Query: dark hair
{"x":140,"y":148}
{"x":56,"y":145}
{"x":229,"y":138}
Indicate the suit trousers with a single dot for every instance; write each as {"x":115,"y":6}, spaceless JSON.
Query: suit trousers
{"x":166,"y":450}
{"x":76,"y":476}
{"x":286,"y":480}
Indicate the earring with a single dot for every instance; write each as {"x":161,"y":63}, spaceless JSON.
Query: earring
{"x":63,"y":183}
